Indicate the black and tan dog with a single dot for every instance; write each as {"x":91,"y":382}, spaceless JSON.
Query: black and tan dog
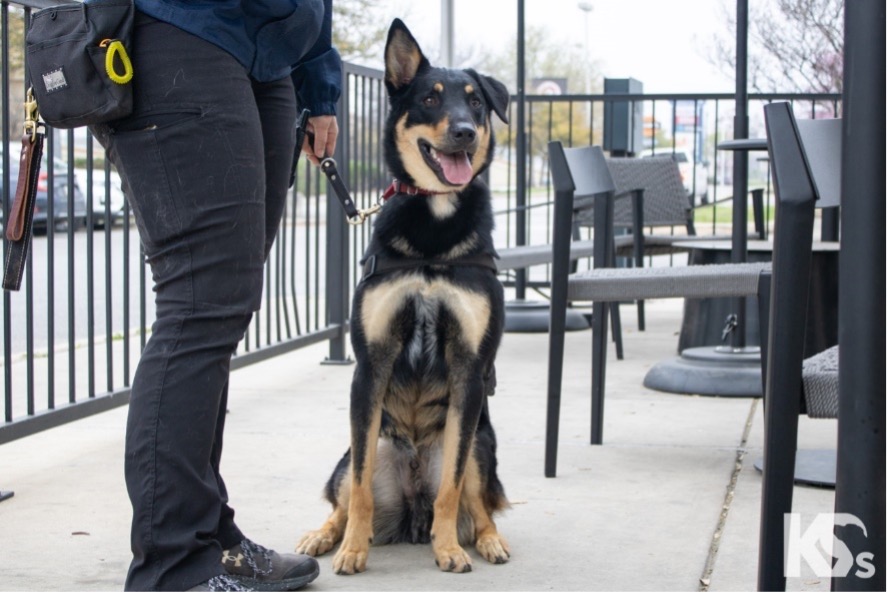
{"x":426,"y":323}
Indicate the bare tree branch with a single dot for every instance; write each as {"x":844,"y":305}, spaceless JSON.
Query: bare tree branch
{"x":793,"y":45}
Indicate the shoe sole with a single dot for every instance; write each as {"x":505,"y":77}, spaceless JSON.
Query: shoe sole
{"x":290,"y":584}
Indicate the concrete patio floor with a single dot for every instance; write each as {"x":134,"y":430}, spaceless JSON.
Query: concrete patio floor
{"x":670,"y":502}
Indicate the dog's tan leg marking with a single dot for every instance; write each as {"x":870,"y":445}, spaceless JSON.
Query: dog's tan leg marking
{"x":489,"y":543}
{"x":449,"y":556}
{"x":352,"y":555}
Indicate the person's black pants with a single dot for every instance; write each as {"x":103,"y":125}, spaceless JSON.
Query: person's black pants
{"x":205,"y":161}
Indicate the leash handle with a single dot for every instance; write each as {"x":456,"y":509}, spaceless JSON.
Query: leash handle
{"x":328,"y":166}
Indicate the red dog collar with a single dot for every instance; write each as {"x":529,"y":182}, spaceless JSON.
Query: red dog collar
{"x":398,"y":187}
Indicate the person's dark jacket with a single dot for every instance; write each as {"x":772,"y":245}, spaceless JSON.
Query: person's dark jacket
{"x":271,"y":38}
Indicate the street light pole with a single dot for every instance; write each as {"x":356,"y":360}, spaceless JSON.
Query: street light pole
{"x":587,"y":8}
{"x":447,"y":32}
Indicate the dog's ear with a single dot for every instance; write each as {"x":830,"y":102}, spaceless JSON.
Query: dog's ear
{"x":403,"y":57}
{"x":495,"y":92}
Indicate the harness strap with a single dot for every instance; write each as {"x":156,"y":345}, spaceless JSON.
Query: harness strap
{"x":377,"y":263}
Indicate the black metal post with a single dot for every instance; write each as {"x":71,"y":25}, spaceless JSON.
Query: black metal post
{"x":521,"y":151}
{"x":861,"y":449}
{"x":739,"y":170}
{"x":337,"y":246}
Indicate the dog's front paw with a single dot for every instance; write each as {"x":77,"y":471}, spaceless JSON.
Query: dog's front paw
{"x":350,"y":560}
{"x":315,"y":543}
{"x":493,"y":548}
{"x":452,"y":559}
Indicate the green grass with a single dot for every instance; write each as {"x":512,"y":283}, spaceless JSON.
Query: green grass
{"x":723,"y":214}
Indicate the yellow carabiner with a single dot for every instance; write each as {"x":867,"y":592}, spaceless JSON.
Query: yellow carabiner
{"x":115,"y":47}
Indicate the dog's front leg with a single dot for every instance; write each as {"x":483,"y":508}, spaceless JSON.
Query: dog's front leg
{"x":368,"y":388}
{"x":459,"y":434}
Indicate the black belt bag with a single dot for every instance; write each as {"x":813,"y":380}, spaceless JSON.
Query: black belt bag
{"x":79,"y":64}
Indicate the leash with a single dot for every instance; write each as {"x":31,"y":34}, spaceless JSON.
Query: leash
{"x":19,"y":225}
{"x":378,"y":263}
{"x":354,"y":215}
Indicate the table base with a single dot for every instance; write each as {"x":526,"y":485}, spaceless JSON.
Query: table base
{"x":814,"y":467}
{"x":525,"y":316}
{"x":709,"y":371}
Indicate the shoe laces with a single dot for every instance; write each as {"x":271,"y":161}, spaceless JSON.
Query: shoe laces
{"x":225,"y":583}
{"x":250,"y":550}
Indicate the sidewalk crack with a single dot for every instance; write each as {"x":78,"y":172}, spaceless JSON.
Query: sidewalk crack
{"x":740,"y":453}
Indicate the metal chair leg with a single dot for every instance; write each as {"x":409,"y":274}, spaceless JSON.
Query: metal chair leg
{"x":600,"y":345}
{"x":616,"y":332}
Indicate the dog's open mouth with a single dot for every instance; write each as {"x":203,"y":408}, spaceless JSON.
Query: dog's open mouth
{"x":452,"y":168}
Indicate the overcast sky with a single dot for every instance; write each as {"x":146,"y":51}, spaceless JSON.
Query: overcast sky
{"x":658,"y":42}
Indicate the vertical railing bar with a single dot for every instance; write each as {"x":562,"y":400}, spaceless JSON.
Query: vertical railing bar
{"x":305,"y":245}
{"x":317,"y":250}
{"x":109,"y":306}
{"x":50,"y":269}
{"x":90,"y":273}
{"x":69,"y":237}
{"x":5,"y":127}
{"x":294,"y":216}
{"x":125,"y":264}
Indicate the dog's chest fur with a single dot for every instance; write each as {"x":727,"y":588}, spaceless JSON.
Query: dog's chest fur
{"x":430,"y":322}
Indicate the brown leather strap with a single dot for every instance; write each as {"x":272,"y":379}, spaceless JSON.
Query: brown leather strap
{"x":21,"y":215}
{"x":15,"y":230}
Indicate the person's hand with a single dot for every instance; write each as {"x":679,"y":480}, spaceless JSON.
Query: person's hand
{"x":323,"y":130}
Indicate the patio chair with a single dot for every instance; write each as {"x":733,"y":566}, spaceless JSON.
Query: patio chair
{"x":659,"y":199}
{"x":805,"y":161}
{"x":582,"y":173}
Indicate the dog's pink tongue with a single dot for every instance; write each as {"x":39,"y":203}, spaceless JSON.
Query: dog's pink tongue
{"x":456,"y":167}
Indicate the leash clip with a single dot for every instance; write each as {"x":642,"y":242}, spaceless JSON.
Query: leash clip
{"x":364,"y":214}
{"x":32,"y":115}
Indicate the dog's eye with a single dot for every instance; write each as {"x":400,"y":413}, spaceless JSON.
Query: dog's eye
{"x":430,"y":101}
{"x":475,"y":102}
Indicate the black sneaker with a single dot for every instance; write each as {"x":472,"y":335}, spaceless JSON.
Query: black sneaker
{"x":262,"y":569}
{"x":222,"y":583}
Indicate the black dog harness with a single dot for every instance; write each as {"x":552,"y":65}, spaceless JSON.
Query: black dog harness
{"x":377,"y":264}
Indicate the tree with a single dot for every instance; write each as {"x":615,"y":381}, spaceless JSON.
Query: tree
{"x":793,"y":45}
{"x":548,"y":56}
{"x":354,"y":32}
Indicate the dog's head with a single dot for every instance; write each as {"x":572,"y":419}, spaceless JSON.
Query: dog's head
{"x":439,"y":134}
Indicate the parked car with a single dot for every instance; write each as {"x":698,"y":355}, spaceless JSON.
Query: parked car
{"x":694,"y":175}
{"x":115,"y":197}
{"x":60,"y":196}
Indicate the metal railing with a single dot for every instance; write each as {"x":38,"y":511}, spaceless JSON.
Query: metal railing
{"x":72,"y":336}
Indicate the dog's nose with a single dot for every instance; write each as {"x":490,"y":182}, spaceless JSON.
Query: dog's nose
{"x":463,"y":133}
